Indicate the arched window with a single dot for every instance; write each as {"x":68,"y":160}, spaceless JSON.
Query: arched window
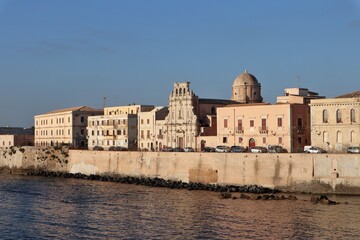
{"x":325,"y":116}
{"x":176,"y":91}
{"x":180,"y":91}
{"x":338,"y":137}
{"x":352,"y":136}
{"x":352,"y":115}
{"x":325,"y":137}
{"x":338,"y":116}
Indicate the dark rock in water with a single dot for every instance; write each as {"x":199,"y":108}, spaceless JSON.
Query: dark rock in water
{"x":244,"y":196}
{"x":258,"y":197}
{"x":272,"y":197}
{"x":225,"y":195}
{"x":265,"y":197}
{"x":283,"y":197}
{"x":292,"y":197}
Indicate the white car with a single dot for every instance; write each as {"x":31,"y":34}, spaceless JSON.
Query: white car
{"x":189,"y":149}
{"x":315,"y":150}
{"x":222,"y":149}
{"x":353,"y":150}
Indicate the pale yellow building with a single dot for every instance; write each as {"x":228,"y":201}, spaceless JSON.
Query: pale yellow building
{"x":118,"y":127}
{"x":335,"y":122}
{"x":118,"y":130}
{"x":64,"y":126}
{"x":298,"y":95}
{"x":150,"y":126}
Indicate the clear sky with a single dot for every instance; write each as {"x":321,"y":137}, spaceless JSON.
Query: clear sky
{"x":64,"y":53}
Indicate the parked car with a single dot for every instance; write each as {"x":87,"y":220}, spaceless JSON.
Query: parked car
{"x":222,"y":149}
{"x":276,"y":149}
{"x":313,"y":149}
{"x":353,"y":149}
{"x":209,"y":149}
{"x":167,"y":149}
{"x":237,"y":149}
{"x":117,"y":148}
{"x":178,"y":149}
{"x":189,"y":149}
{"x":258,"y":149}
{"x":98,"y":148}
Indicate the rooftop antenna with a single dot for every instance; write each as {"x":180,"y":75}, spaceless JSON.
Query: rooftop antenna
{"x":104,"y":102}
{"x":298,"y":81}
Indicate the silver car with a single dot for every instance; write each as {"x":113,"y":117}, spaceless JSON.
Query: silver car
{"x":353,"y":150}
{"x":222,"y":149}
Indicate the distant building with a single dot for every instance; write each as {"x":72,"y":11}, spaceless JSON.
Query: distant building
{"x":335,"y":122}
{"x":118,"y":130}
{"x":64,"y":126}
{"x":298,"y":95}
{"x":118,"y":127}
{"x":189,"y":117}
{"x":150,"y":124}
{"x":263,"y":124}
{"x":15,"y":136}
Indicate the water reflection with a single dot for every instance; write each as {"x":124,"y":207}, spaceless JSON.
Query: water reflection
{"x":43,"y":208}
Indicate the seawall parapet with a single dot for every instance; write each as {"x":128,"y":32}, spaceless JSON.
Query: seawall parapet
{"x":315,"y":173}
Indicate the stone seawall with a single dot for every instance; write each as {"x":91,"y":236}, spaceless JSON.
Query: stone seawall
{"x":316,"y":173}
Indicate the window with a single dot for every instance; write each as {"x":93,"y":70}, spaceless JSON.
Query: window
{"x":82,"y":131}
{"x":148,"y":134}
{"x":239,"y":123}
{"x":299,"y":140}
{"x":338,"y":116}
{"x":279,"y":122}
{"x":224,"y":139}
{"x":240,"y":139}
{"x":263,"y":124}
{"x":325,"y":137}
{"x":264,"y":140}
{"x":251,"y":123}
{"x":225,"y":123}
{"x":280,"y":140}
{"x":148,"y":121}
{"x":325,"y":116}
{"x":352,"y":115}
{"x":352,"y":137}
{"x":299,"y":122}
{"x":142,"y":134}
{"x":142,"y":121}
{"x":339,"y":137}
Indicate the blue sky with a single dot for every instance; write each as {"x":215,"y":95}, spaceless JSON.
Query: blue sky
{"x":64,"y":53}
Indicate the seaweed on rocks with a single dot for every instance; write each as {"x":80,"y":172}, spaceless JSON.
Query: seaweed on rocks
{"x":159,"y":182}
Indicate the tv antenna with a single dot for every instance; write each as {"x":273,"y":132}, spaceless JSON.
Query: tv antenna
{"x":104,"y":101}
{"x":298,"y":81}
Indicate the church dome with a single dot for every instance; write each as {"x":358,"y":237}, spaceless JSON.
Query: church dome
{"x":245,"y":79}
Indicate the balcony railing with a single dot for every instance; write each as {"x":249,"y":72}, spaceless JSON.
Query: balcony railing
{"x":239,"y":130}
{"x":160,"y":136}
{"x":263,"y":130}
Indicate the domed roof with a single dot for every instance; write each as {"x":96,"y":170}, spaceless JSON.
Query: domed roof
{"x":245,"y":78}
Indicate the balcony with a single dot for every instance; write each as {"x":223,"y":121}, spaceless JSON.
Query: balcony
{"x":263,"y":130}
{"x":160,"y":136}
{"x":300,"y":130}
{"x":239,"y":130}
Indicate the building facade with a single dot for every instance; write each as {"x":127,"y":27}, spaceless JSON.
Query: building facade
{"x":118,"y":130}
{"x":64,"y":126}
{"x":263,"y":124}
{"x":150,"y":125}
{"x":335,"y":122}
{"x":11,"y":136}
{"x":189,"y":117}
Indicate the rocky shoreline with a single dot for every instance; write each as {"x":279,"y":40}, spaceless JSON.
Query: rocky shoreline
{"x":159,"y":182}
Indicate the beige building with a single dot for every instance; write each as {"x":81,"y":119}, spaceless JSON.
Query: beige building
{"x":10,"y":136}
{"x":298,"y":95}
{"x":263,"y":124}
{"x":335,"y":122}
{"x":150,"y":125}
{"x":64,"y":126}
{"x":118,"y":130}
{"x":119,"y":127}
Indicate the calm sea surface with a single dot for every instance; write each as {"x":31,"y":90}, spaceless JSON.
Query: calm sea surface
{"x":57,"y":208}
